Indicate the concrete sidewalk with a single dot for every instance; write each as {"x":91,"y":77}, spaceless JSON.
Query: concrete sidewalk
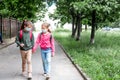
{"x":10,"y":65}
{"x":7,"y":42}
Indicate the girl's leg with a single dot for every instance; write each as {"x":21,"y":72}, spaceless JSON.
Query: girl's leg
{"x":48,"y":63}
{"x":23,"y":56}
{"x":29,"y":62}
{"x":43,"y":54}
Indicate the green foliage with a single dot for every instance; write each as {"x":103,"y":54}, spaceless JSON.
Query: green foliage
{"x":99,"y":61}
{"x":106,"y":10}
{"x":116,"y":23}
{"x":62,"y":12}
{"x":21,"y":9}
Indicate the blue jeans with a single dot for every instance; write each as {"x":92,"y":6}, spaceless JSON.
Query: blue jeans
{"x":46,"y":58}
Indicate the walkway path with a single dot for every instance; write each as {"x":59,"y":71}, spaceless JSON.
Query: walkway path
{"x":10,"y":65}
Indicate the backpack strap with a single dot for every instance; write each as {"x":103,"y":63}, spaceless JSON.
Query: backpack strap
{"x":50,"y":38}
{"x":21,"y":34}
{"x":30,"y":35}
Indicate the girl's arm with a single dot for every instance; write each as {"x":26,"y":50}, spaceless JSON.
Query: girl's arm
{"x":53,"y":46}
{"x":32,"y":41}
{"x":36,"y":43}
{"x":17,"y":40}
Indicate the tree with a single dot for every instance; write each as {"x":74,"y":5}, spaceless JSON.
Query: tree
{"x":95,"y":12}
{"x":22,"y":9}
{"x":102,"y":12}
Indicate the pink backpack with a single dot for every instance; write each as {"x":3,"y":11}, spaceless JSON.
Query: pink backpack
{"x":21,"y":34}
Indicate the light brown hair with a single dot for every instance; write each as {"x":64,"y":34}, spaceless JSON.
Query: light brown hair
{"x":26,"y":23}
{"x":47,"y":25}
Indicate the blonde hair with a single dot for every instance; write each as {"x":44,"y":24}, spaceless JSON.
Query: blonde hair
{"x":47,"y":25}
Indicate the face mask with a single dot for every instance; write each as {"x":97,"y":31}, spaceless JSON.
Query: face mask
{"x":44,"y":30}
{"x":27,"y":29}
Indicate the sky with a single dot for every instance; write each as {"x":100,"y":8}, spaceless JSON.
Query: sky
{"x":47,"y":19}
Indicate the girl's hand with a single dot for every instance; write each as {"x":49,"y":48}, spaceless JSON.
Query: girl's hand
{"x":22,"y":45}
{"x":53,"y":54}
{"x":33,"y":50}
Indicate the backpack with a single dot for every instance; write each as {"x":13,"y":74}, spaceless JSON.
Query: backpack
{"x":21,"y":34}
{"x":50,"y":37}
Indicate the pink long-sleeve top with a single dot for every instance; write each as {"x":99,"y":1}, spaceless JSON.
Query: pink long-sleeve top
{"x":43,"y":40}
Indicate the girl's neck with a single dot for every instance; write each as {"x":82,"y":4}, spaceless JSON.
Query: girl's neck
{"x":46,"y":33}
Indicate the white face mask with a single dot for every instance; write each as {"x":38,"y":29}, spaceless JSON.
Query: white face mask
{"x":44,"y":30}
{"x":27,"y":29}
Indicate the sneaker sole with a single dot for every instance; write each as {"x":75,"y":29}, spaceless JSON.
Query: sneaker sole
{"x":29,"y":79}
{"x":47,"y":78}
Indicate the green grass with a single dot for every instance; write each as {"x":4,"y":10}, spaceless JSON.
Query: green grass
{"x":100,"y":61}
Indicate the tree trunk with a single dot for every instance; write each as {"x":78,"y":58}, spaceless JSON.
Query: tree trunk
{"x":85,"y":27}
{"x":79,"y":27}
{"x":93,"y":27}
{"x":73,"y":28}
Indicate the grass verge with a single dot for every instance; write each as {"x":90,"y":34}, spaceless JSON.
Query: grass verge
{"x":100,"y":61}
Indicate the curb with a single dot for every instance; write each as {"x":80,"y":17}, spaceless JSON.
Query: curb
{"x":76,"y":66}
{"x":4,"y":46}
{"x":8,"y":42}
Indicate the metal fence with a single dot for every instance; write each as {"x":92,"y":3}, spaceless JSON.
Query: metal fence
{"x":9,"y":27}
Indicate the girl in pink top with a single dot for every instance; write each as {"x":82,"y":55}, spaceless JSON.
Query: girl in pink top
{"x":46,"y":43}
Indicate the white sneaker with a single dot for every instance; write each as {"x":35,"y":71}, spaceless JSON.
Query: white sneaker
{"x":24,"y":74}
{"x":44,"y":74}
{"x":30,"y":75}
{"x":48,"y":76}
{"x":3,"y":43}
